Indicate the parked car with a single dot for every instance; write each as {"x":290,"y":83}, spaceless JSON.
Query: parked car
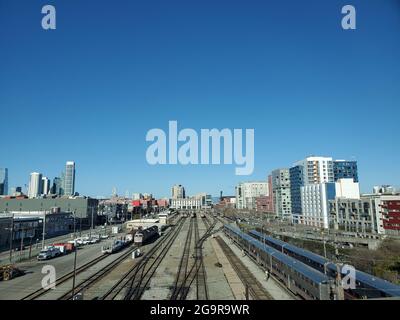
{"x":48,"y":253}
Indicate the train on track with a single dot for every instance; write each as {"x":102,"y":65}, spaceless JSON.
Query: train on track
{"x":142,"y":236}
{"x":117,"y":245}
{"x":299,"y":278}
{"x":367,"y":286}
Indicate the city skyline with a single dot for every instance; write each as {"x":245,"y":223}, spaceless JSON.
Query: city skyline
{"x":286,"y":69}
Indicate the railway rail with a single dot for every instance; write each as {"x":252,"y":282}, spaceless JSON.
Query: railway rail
{"x":195,"y":270}
{"x":41,"y":292}
{"x":256,"y":290}
{"x":133,"y":284}
{"x":183,"y":265}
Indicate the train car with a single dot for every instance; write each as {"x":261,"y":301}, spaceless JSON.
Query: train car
{"x":113,"y":247}
{"x":142,"y":236}
{"x":367,"y":286}
{"x":299,"y":278}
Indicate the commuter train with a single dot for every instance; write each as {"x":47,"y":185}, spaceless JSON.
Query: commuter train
{"x":299,"y":278}
{"x":142,"y":236}
{"x":367,"y":286}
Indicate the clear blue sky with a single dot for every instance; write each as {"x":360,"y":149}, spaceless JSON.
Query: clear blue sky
{"x":90,"y":90}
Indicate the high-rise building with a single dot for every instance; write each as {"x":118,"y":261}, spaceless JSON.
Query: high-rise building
{"x":315,"y":200}
{"x":3,"y":181}
{"x":343,"y":169}
{"x":178,"y":192}
{"x":311,"y":170}
{"x":248,"y":192}
{"x":315,"y":204}
{"x":45,"y":185}
{"x":35,"y":185}
{"x":57,"y":186}
{"x":69,"y":181}
{"x":281,"y":193}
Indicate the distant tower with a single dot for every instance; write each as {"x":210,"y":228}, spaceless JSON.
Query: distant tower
{"x":69,"y":182}
{"x":3,"y":181}
{"x":35,"y":185}
{"x":220,"y":197}
{"x":114,"y":192}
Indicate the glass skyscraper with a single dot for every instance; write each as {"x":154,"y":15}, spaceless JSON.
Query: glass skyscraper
{"x":3,"y":181}
{"x":69,"y":180}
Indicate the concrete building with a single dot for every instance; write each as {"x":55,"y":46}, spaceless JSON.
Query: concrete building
{"x":345,"y":169}
{"x":28,"y":227}
{"x":5,"y":230}
{"x":186,"y":203}
{"x":384,"y":189}
{"x":45,"y":185}
{"x":35,"y":185}
{"x":248,"y":192}
{"x":226,"y":202}
{"x":315,"y":200}
{"x":3,"y":181}
{"x":199,"y":201}
{"x":347,"y":188}
{"x":81,"y":205}
{"x":178,"y":192}
{"x":373,"y":213}
{"x":353,"y":215}
{"x":315,"y":204}
{"x":311,"y":170}
{"x":281,"y":193}
{"x":137,"y":196}
{"x":69,"y":180}
{"x":387,"y":209}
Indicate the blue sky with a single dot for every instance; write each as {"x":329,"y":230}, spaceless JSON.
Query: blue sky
{"x":112,"y":70}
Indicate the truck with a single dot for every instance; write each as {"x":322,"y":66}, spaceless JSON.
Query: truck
{"x":48,"y":253}
{"x":65,"y":248}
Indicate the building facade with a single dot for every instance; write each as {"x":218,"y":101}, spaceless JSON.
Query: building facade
{"x":35,"y":185}
{"x":45,"y":185}
{"x":3,"y":181}
{"x":82,"y":206}
{"x":248,"y":192}
{"x":69,"y":180}
{"x":315,"y":204}
{"x":345,"y":169}
{"x":373,"y":213}
{"x":178,"y":192}
{"x":311,"y":170}
{"x":281,"y":193}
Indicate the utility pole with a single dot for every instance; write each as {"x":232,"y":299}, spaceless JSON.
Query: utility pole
{"x":90,"y":233}
{"x":74,"y":222}
{"x":11,"y":237}
{"x":44,"y":229}
{"x":73,"y":280}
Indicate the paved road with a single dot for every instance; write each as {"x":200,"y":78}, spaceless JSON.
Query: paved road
{"x":17,"y":288}
{"x":24,"y":255}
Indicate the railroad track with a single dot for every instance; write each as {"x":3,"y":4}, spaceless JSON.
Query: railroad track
{"x":183,"y":265}
{"x":256,"y":290}
{"x":97,"y":276}
{"x":201,"y":283}
{"x":137,"y":278}
{"x":195,"y":270}
{"x":40,"y":292}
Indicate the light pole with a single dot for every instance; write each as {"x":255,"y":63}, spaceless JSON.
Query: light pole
{"x":75,"y":256}
{"x":11,"y":236}
{"x":44,"y":229}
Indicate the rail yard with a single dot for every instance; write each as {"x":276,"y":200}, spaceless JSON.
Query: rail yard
{"x":198,"y":255}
